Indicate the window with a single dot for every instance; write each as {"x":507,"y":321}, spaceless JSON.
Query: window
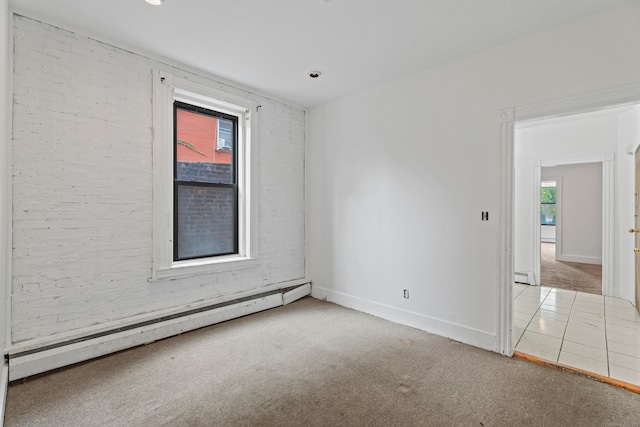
{"x":548,"y":203}
{"x":204,"y":189}
{"x":225,"y":134}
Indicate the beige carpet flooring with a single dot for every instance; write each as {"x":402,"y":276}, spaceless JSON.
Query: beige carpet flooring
{"x":313,"y":363}
{"x":573,"y":276}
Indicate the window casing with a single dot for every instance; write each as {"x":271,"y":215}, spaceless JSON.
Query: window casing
{"x":173,"y":96}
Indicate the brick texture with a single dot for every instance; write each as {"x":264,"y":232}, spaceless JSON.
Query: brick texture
{"x":82,"y":186}
{"x":205,"y":221}
{"x":205,"y":172}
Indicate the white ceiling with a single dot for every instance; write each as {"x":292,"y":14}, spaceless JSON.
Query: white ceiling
{"x":270,"y":45}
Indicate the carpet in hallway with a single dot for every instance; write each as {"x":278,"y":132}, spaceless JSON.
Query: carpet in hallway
{"x":573,"y":276}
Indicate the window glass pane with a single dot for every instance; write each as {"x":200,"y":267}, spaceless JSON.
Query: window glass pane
{"x":225,"y":134}
{"x":548,"y":214}
{"x":548,"y":195}
{"x":548,"y":206}
{"x":199,"y":156}
{"x":205,"y":221}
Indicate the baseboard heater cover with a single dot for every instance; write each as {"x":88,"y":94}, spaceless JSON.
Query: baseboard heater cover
{"x":33,"y":362}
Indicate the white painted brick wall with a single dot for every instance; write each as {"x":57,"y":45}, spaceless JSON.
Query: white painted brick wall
{"x":82,"y":186}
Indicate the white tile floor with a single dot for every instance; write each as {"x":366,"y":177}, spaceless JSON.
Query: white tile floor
{"x":586,"y":331}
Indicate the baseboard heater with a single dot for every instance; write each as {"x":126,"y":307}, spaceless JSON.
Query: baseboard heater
{"x":23,"y":364}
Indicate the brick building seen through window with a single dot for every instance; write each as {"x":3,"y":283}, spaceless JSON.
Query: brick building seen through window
{"x":205,"y":177}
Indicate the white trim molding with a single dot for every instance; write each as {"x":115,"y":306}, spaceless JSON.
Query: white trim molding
{"x":504,"y":319}
{"x":433,"y":325}
{"x":166,"y":89}
{"x":535,"y":220}
{"x":525,"y":277}
{"x":586,"y":103}
{"x":579,"y":258}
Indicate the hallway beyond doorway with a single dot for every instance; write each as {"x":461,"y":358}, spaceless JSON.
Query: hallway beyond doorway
{"x":589,"y":332}
{"x":572,"y":276}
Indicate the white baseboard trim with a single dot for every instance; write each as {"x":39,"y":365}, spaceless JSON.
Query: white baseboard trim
{"x":456,"y":332}
{"x":4,"y":382}
{"x":34,"y":362}
{"x":580,"y":258}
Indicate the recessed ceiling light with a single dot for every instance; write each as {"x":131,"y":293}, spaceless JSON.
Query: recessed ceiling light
{"x":314,"y":74}
{"x":155,"y":2}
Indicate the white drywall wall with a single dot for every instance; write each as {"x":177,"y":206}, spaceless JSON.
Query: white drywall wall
{"x":580,"y":207}
{"x":82,"y":187}
{"x":398,"y":175}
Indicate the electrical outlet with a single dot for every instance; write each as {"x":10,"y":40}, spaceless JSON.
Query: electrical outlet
{"x":406,"y":294}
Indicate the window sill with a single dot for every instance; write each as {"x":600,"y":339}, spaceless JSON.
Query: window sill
{"x":181,"y":269}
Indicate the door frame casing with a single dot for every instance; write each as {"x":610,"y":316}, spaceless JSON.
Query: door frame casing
{"x":507,"y":117}
{"x":636,"y":209}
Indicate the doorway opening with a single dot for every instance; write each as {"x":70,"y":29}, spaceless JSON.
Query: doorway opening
{"x":569,"y":326}
{"x":557,"y":269}
{"x":571,"y":231}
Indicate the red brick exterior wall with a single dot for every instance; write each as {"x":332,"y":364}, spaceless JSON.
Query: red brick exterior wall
{"x":201,"y":133}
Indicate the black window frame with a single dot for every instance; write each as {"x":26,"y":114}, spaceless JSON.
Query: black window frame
{"x":176,"y":183}
{"x":547,"y":204}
